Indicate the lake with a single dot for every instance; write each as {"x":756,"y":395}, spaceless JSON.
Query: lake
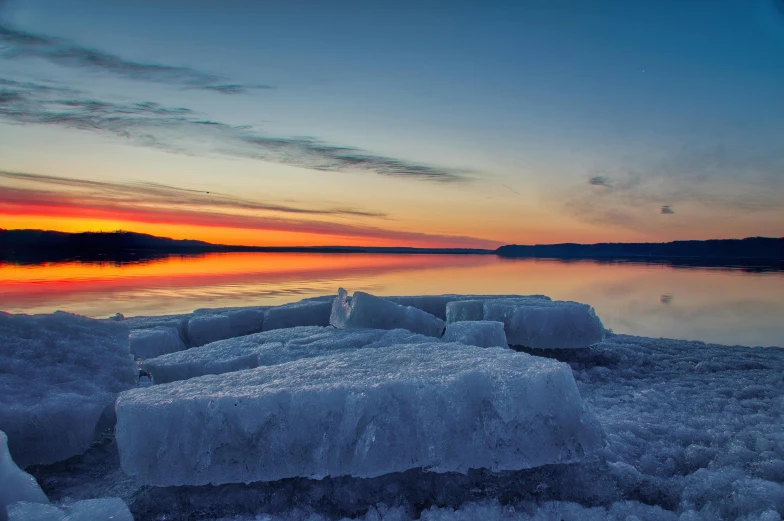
{"x":722,"y":305}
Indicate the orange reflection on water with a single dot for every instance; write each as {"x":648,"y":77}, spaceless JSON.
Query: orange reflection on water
{"x":705,"y":304}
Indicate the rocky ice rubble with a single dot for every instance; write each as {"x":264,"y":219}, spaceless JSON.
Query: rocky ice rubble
{"x":270,"y":348}
{"x":692,"y":431}
{"x":103,"y":509}
{"x":15,"y":484}
{"x":59,"y":374}
{"x":365,"y":413}
{"x":21,"y":498}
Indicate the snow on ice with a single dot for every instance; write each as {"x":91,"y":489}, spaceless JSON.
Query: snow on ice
{"x":58,"y":374}
{"x":444,"y":407}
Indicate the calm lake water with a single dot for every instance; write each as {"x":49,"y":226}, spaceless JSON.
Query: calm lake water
{"x":727,"y":306}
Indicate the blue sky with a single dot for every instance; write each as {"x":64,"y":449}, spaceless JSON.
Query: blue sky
{"x":528,"y":122}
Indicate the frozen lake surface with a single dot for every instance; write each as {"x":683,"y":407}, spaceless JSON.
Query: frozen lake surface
{"x":322,"y":422}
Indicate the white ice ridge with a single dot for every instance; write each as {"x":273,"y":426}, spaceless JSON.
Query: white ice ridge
{"x":104,"y":509}
{"x":482,"y":333}
{"x":534,"y":322}
{"x":59,"y":373}
{"x":270,"y":348}
{"x":364,"y":310}
{"x":15,"y":484}
{"x":443,"y":407}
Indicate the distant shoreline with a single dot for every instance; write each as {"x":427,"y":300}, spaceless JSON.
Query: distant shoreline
{"x":38,"y":246}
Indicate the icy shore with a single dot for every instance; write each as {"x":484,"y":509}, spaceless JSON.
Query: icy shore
{"x":390,"y":425}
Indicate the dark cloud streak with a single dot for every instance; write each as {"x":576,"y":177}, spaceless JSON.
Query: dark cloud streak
{"x":16,"y":44}
{"x":177,"y":129}
{"x":142,"y":193}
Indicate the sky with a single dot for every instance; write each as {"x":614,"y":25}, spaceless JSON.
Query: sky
{"x":432,"y":123}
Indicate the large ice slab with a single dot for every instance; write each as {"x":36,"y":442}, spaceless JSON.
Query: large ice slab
{"x":545,"y":324}
{"x":15,"y":484}
{"x":103,"y":509}
{"x":364,"y":310}
{"x":149,"y":343}
{"x":269,"y":348}
{"x":368,"y":412}
{"x":482,"y":333}
{"x":311,"y":312}
{"x":57,"y":375}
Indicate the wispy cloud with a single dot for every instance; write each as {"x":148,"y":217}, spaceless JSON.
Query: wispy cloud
{"x":714,"y":178}
{"x":58,"y":197}
{"x":180,"y":130}
{"x":24,"y":188}
{"x":600,"y":181}
{"x":17,"y":44}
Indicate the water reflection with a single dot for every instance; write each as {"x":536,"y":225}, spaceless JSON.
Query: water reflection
{"x":717,"y":305}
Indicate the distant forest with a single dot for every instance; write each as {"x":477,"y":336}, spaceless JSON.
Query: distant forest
{"x":36,"y":246}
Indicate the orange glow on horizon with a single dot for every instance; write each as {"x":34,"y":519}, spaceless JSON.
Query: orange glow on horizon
{"x":99,"y":221}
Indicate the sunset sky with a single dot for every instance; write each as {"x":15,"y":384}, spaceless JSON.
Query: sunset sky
{"x":434,"y":123}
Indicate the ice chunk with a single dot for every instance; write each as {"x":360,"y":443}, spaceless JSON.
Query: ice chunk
{"x":544,"y":324}
{"x":15,"y":484}
{"x":179,"y":322}
{"x":312,"y":312}
{"x":269,"y":348}
{"x":437,"y":304}
{"x":460,"y":310}
{"x":364,"y":310}
{"x":443,"y":407}
{"x":203,"y":329}
{"x":59,"y":373}
{"x":483,"y":333}
{"x":245,"y":321}
{"x":149,"y":343}
{"x":104,"y":509}
{"x":207,"y":327}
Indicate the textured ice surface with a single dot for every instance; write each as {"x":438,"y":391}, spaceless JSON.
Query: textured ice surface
{"x":15,"y":484}
{"x":368,"y":311}
{"x":57,"y":375}
{"x":494,"y":511}
{"x":483,"y":333}
{"x":311,"y":312}
{"x":149,"y":343}
{"x":270,"y":348}
{"x":444,"y":407}
{"x":104,"y":509}
{"x":544,"y":324}
{"x":693,"y":429}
